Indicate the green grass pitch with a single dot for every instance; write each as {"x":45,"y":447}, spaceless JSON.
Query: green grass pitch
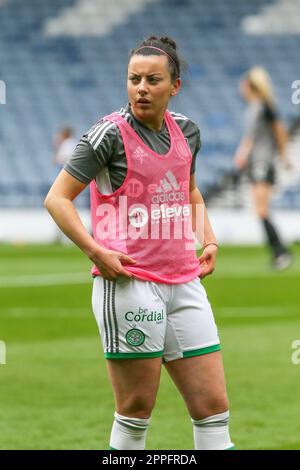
{"x":54,"y":390}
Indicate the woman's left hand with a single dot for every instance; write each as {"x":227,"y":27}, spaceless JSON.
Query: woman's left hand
{"x":240,"y":162}
{"x":207,"y":260}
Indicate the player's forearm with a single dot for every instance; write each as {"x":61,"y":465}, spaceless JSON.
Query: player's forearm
{"x":200,"y":220}
{"x":66,"y":217}
{"x":281,"y":137}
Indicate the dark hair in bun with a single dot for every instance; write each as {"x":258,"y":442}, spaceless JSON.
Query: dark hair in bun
{"x":167,"y":46}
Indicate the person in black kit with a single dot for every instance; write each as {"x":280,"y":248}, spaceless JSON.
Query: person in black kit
{"x":264,"y":137}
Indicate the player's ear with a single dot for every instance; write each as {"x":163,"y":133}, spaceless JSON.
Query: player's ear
{"x":176,"y":85}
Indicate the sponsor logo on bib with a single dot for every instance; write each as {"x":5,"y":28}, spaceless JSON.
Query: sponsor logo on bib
{"x":138,"y":217}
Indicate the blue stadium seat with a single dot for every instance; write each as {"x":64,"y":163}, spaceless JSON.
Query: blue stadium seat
{"x":55,"y":80}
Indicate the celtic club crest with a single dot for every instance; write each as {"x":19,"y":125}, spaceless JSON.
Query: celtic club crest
{"x":135,"y":337}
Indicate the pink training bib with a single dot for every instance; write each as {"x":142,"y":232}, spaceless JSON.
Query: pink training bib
{"x":149,"y":217}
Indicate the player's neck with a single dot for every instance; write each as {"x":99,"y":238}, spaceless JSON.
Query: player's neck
{"x":154,"y":125}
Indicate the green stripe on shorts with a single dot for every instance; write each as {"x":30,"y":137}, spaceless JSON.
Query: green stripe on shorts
{"x":133,"y":355}
{"x":199,"y":352}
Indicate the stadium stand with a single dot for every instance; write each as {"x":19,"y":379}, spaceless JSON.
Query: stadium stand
{"x":64,"y":62}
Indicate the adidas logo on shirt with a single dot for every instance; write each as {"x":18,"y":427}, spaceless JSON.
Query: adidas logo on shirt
{"x":139,"y":154}
{"x":168,"y":190}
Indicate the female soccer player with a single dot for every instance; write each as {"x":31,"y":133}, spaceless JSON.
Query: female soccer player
{"x":264,"y":135}
{"x":149,"y":303}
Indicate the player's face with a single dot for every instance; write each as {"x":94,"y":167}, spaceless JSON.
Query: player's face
{"x":245,"y":90}
{"x":150,"y":88}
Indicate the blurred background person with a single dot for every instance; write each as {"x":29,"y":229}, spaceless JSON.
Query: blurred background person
{"x":64,"y":145}
{"x":264,"y":137}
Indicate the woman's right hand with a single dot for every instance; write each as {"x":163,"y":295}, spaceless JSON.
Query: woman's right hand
{"x":110,"y":263}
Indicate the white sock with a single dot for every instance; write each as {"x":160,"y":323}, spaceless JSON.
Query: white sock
{"x":128,"y":433}
{"x":212,"y":433}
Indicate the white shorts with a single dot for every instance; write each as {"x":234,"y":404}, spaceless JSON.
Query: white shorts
{"x":143,"y":319}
